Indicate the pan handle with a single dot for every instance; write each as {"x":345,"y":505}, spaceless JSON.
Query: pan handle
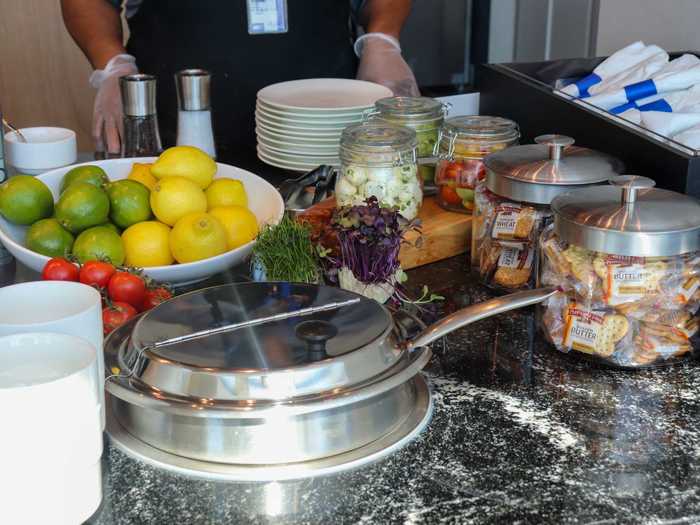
{"x":476,"y":312}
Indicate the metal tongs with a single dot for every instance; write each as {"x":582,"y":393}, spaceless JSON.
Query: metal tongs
{"x":296,"y":194}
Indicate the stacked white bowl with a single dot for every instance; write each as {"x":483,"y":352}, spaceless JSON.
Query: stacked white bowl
{"x":52,"y":394}
{"x":298,"y":123}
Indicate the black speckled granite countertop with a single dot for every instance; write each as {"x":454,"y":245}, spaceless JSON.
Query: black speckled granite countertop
{"x":520,"y":434}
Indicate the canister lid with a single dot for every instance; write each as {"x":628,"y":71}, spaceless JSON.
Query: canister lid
{"x":538,"y":172}
{"x":629,"y":217}
{"x":288,"y":354}
{"x":378,"y":137}
{"x":479,"y":127}
{"x":411,"y":107}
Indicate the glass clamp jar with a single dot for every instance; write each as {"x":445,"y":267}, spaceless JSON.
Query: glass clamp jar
{"x":626,"y":258}
{"x":512,"y":204}
{"x":379,"y":159}
{"x":424,"y":115}
{"x":462,"y":144}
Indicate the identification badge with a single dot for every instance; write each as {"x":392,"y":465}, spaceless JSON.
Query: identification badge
{"x":267,"y":16}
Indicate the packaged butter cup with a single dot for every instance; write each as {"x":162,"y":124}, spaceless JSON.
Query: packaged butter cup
{"x":512,"y":202}
{"x":627,"y":260}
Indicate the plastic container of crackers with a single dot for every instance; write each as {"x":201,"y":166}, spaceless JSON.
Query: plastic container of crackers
{"x":512,"y":204}
{"x":627,"y":259}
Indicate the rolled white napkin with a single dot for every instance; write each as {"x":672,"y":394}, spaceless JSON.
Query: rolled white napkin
{"x":669,"y":124}
{"x":679,"y":74}
{"x":689,"y":137}
{"x":620,"y":63}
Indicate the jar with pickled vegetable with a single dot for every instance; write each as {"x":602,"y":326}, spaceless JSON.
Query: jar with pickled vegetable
{"x":379,"y":159}
{"x":512,"y":204}
{"x":424,"y":115}
{"x":462,"y":144}
{"x":626,"y":258}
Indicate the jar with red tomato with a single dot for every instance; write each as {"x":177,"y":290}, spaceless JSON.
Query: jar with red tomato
{"x":462,"y":144}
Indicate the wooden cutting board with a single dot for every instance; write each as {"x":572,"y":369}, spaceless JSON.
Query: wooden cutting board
{"x":445,"y":233}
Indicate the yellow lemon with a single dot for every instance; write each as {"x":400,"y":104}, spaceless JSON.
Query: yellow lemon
{"x":147,"y":244}
{"x":185,"y":161}
{"x":226,"y":192}
{"x":141,"y":172}
{"x":197,"y":236}
{"x":175,"y":197}
{"x":240,"y":223}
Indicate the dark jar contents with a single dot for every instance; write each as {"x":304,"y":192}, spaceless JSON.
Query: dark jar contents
{"x":141,"y":137}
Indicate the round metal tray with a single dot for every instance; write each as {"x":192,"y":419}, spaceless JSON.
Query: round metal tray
{"x":374,"y":451}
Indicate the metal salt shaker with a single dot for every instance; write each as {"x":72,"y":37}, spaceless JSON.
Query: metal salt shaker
{"x":194,"y":110}
{"x":141,"y":135}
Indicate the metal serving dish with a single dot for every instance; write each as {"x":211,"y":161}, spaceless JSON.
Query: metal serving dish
{"x":272,"y":373}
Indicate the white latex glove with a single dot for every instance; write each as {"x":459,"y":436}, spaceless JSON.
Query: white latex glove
{"x":381,"y":62}
{"x":107,"y":124}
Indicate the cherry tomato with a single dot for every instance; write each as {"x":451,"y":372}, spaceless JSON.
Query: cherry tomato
{"x":96,"y":273}
{"x":448,"y":195}
{"x":128,"y":288}
{"x":116,"y":315}
{"x":60,"y":269}
{"x":155,"y":296}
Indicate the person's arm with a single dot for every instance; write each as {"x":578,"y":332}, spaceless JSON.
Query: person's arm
{"x":96,"y":27}
{"x":385,"y":16}
{"x":379,"y":49}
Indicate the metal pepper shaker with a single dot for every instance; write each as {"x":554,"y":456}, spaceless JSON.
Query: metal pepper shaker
{"x":141,"y":135}
{"x":194,"y":110}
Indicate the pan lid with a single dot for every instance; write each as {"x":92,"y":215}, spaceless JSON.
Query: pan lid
{"x":629,"y":217}
{"x":260,"y":341}
{"x":538,"y":172}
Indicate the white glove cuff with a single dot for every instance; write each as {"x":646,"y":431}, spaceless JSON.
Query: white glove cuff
{"x":359,"y":43}
{"x":123,"y":64}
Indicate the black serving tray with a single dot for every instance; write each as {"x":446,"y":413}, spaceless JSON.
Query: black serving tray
{"x":524,"y":92}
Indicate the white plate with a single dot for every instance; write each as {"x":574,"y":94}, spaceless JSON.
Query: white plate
{"x":323,"y":94}
{"x":263,"y":200}
{"x":296,"y":139}
{"x":310,"y":114}
{"x":313,"y":128}
{"x":295,"y":166}
{"x":309,"y":123}
{"x":298,"y":159}
{"x":296,"y":132}
{"x":299,"y":149}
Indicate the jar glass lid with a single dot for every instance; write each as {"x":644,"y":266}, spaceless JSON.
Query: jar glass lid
{"x":629,"y":217}
{"x":411,"y":107}
{"x":340,"y":342}
{"x":553,"y":160}
{"x":480,"y":127}
{"x":378,"y":137}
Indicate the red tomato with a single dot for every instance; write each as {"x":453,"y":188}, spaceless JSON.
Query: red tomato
{"x":60,"y":269}
{"x":96,"y":273}
{"x":116,"y":315}
{"x":155,"y":296}
{"x":128,"y":288}
{"x":448,"y":195}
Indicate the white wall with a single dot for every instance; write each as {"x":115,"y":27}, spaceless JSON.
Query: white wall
{"x":674,"y":25}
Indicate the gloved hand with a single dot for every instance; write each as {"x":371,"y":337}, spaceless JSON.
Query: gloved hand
{"x":107,"y":125}
{"x":381,"y":62}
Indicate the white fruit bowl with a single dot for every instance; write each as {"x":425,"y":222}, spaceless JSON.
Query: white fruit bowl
{"x":263,"y":200}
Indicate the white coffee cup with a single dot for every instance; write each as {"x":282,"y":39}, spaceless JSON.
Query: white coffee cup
{"x":46,"y":148}
{"x":56,"y":306}
{"x":51,"y":439}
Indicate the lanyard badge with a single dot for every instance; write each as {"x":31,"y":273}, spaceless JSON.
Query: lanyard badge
{"x":267,"y":16}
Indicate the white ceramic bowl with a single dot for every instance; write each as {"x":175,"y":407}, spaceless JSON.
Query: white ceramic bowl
{"x":46,"y":148}
{"x":263,"y":200}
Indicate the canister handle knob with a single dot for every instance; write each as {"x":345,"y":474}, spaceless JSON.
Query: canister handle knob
{"x":630,"y":184}
{"x":555,"y":143}
{"x":315,"y":334}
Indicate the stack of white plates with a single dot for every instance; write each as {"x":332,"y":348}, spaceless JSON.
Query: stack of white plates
{"x":298,"y":123}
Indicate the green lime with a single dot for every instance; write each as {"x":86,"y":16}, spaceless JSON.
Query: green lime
{"x":25,"y":199}
{"x":128,"y":202}
{"x":465,"y":194}
{"x":99,"y":243}
{"x":49,"y":238}
{"x":82,"y":205}
{"x":91,"y":174}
